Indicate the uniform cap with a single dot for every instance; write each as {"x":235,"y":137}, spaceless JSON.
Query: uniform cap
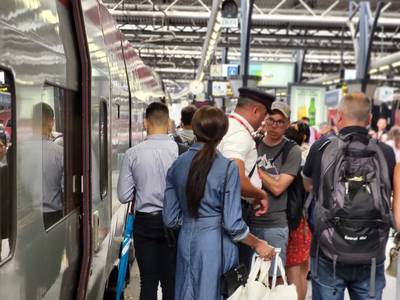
{"x":257,"y":95}
{"x":282,"y":107}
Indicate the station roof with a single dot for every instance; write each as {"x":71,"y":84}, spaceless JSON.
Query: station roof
{"x":169,"y":34}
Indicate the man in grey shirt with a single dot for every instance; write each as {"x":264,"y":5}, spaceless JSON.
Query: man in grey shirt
{"x":276,"y":177}
{"x":144,"y":170}
{"x":43,"y":162}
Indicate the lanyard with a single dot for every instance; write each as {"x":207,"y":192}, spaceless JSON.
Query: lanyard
{"x":241,"y":122}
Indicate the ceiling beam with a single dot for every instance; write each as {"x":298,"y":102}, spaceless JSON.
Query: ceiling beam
{"x":292,"y":19}
{"x":276,"y":44}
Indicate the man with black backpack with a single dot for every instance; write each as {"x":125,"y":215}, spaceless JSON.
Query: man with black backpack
{"x":279,"y":163}
{"x":351,"y":179}
{"x":185,"y":137}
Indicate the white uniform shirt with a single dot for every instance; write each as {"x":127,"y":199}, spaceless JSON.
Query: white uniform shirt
{"x":238,"y":143}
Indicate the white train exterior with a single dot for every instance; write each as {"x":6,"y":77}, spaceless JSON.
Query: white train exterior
{"x":70,"y":55}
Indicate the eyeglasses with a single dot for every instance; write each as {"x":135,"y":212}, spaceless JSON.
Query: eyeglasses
{"x":272,"y":122}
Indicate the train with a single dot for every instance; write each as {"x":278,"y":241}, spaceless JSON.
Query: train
{"x":61,"y":223}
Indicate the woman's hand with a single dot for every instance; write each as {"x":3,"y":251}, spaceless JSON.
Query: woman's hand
{"x":264,"y":250}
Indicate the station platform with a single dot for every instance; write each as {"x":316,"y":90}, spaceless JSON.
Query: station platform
{"x":132,"y":292}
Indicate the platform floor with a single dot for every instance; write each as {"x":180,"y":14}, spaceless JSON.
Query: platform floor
{"x":133,"y":290}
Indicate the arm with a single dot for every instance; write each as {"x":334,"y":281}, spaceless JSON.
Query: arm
{"x":308,"y":186}
{"x":308,"y":169}
{"x":126,"y":184}
{"x":250,"y":191}
{"x":396,"y":197}
{"x":260,"y":246}
{"x":172,"y":212}
{"x":276,"y":186}
{"x":247,"y":188}
{"x":288,"y":172}
{"x":233,"y":222}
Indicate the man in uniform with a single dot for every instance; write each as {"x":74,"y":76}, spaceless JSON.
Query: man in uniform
{"x":238,"y":144}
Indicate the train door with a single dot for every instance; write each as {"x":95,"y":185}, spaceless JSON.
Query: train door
{"x":40,"y":185}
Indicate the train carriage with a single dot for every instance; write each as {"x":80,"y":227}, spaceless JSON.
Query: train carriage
{"x":70,"y":55}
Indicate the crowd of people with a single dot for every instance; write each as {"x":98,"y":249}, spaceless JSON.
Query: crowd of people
{"x":226,"y":187}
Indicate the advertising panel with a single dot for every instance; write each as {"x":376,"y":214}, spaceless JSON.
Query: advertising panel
{"x":273,"y":74}
{"x":308,"y":101}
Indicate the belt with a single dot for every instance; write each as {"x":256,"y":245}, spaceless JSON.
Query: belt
{"x":153,"y":213}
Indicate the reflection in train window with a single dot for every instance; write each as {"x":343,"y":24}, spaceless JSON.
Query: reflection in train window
{"x":58,"y":121}
{"x":7,"y":164}
{"x":103,"y":133}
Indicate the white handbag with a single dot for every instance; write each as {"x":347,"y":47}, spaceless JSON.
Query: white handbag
{"x":254,"y":288}
{"x":283,"y":291}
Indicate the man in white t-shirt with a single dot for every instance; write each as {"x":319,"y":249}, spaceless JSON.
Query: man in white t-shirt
{"x":238,"y":144}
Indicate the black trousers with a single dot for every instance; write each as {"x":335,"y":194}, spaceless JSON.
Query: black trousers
{"x":155,"y":257}
{"x":245,"y":252}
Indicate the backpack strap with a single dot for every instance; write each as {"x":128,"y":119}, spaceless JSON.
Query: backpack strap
{"x":372,"y":280}
{"x":279,"y":152}
{"x":285,"y":149}
{"x":177,"y":138}
{"x":323,"y":146}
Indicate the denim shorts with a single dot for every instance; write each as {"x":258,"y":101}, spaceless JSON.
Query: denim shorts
{"x":276,"y":237}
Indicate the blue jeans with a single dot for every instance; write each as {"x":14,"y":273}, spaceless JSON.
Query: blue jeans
{"x":356,"y":278}
{"x":277,"y":238}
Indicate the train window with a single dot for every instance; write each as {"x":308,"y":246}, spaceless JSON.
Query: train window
{"x":7,"y":164}
{"x":58,"y":119}
{"x":103,"y":133}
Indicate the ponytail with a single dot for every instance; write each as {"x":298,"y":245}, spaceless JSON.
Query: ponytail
{"x":198,"y":172}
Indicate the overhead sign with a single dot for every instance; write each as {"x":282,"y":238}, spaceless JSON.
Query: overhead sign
{"x":225,"y":70}
{"x":219,"y":88}
{"x":333,"y":97}
{"x":350,"y":74}
{"x":273,"y":74}
{"x":215,"y":70}
{"x":230,"y":70}
{"x":229,"y":23}
{"x":5,"y":100}
{"x":384,"y":94}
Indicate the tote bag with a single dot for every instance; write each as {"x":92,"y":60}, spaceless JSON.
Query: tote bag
{"x":255,"y":288}
{"x":283,"y":291}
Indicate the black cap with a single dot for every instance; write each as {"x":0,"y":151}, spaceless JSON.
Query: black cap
{"x":257,"y":95}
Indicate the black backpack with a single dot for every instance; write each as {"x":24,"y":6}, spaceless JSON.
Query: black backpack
{"x":352,"y":212}
{"x":183,"y":146}
{"x":296,"y":195}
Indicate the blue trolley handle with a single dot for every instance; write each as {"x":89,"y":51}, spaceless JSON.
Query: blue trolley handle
{"x":126,"y":244}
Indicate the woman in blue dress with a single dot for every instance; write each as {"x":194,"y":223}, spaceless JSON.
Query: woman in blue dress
{"x":193,"y":202}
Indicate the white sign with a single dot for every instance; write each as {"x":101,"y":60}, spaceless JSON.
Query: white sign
{"x":384,"y":94}
{"x":229,"y":23}
{"x":350,"y":74}
{"x":216,"y":71}
{"x":219,"y":88}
